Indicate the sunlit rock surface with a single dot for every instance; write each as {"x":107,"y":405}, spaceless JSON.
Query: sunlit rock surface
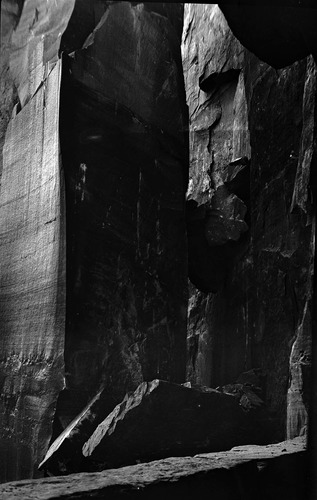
{"x":264,"y":120}
{"x":32,"y":232}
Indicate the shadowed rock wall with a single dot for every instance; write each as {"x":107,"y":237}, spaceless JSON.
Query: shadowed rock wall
{"x":252,"y":136}
{"x":277,"y":471}
{"x":121,"y":117}
{"x":123,"y":143}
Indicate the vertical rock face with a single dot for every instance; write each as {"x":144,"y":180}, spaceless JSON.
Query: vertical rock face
{"x":124,"y":153}
{"x":32,"y":301}
{"x":252,"y":132}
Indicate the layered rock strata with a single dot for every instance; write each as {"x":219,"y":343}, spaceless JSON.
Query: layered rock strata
{"x":32,"y":233}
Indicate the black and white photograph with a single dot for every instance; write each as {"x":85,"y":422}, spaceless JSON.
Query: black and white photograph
{"x":158,"y":202}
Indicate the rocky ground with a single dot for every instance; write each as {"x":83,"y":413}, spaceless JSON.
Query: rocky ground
{"x":275,"y":471}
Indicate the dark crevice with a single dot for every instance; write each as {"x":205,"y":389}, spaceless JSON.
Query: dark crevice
{"x":208,"y":82}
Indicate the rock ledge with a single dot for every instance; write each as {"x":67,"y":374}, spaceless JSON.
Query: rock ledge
{"x":277,"y":470}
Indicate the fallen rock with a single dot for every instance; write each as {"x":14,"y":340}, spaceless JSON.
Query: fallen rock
{"x":275,"y":472}
{"x":161,"y":419}
{"x":64,"y":455}
{"x":249,"y":388}
{"x":254,"y":377}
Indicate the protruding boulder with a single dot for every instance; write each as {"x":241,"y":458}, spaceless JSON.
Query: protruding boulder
{"x":64,"y":455}
{"x":162,"y":419}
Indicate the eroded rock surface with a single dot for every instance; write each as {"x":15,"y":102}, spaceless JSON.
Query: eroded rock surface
{"x":219,"y":135}
{"x":32,"y":233}
{"x":124,"y":152}
{"x":64,"y":455}
{"x":260,"y":123}
{"x":161,"y":419}
{"x":275,"y":472}
{"x":124,"y":155}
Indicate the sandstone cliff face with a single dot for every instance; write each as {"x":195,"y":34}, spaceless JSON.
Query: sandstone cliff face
{"x":32,"y":309}
{"x":252,"y":137}
{"x":118,"y":108}
{"x":124,"y":155}
{"x":121,"y":117}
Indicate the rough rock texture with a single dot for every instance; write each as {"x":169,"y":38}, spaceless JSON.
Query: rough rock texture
{"x":32,"y":254}
{"x":124,"y":153}
{"x":250,"y":217}
{"x":212,"y":60}
{"x":260,"y":315}
{"x":161,"y":419}
{"x":65,"y":453}
{"x":273,"y":472}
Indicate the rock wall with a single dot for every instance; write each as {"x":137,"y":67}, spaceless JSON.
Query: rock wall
{"x":124,"y":151}
{"x":250,"y":220}
{"x":32,"y":248}
{"x":110,"y":226}
{"x":116,"y":99}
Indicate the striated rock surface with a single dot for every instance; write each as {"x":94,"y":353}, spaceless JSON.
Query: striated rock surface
{"x":275,"y":472}
{"x":121,"y":119}
{"x":124,"y":152}
{"x":261,"y":132}
{"x":32,"y":232}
